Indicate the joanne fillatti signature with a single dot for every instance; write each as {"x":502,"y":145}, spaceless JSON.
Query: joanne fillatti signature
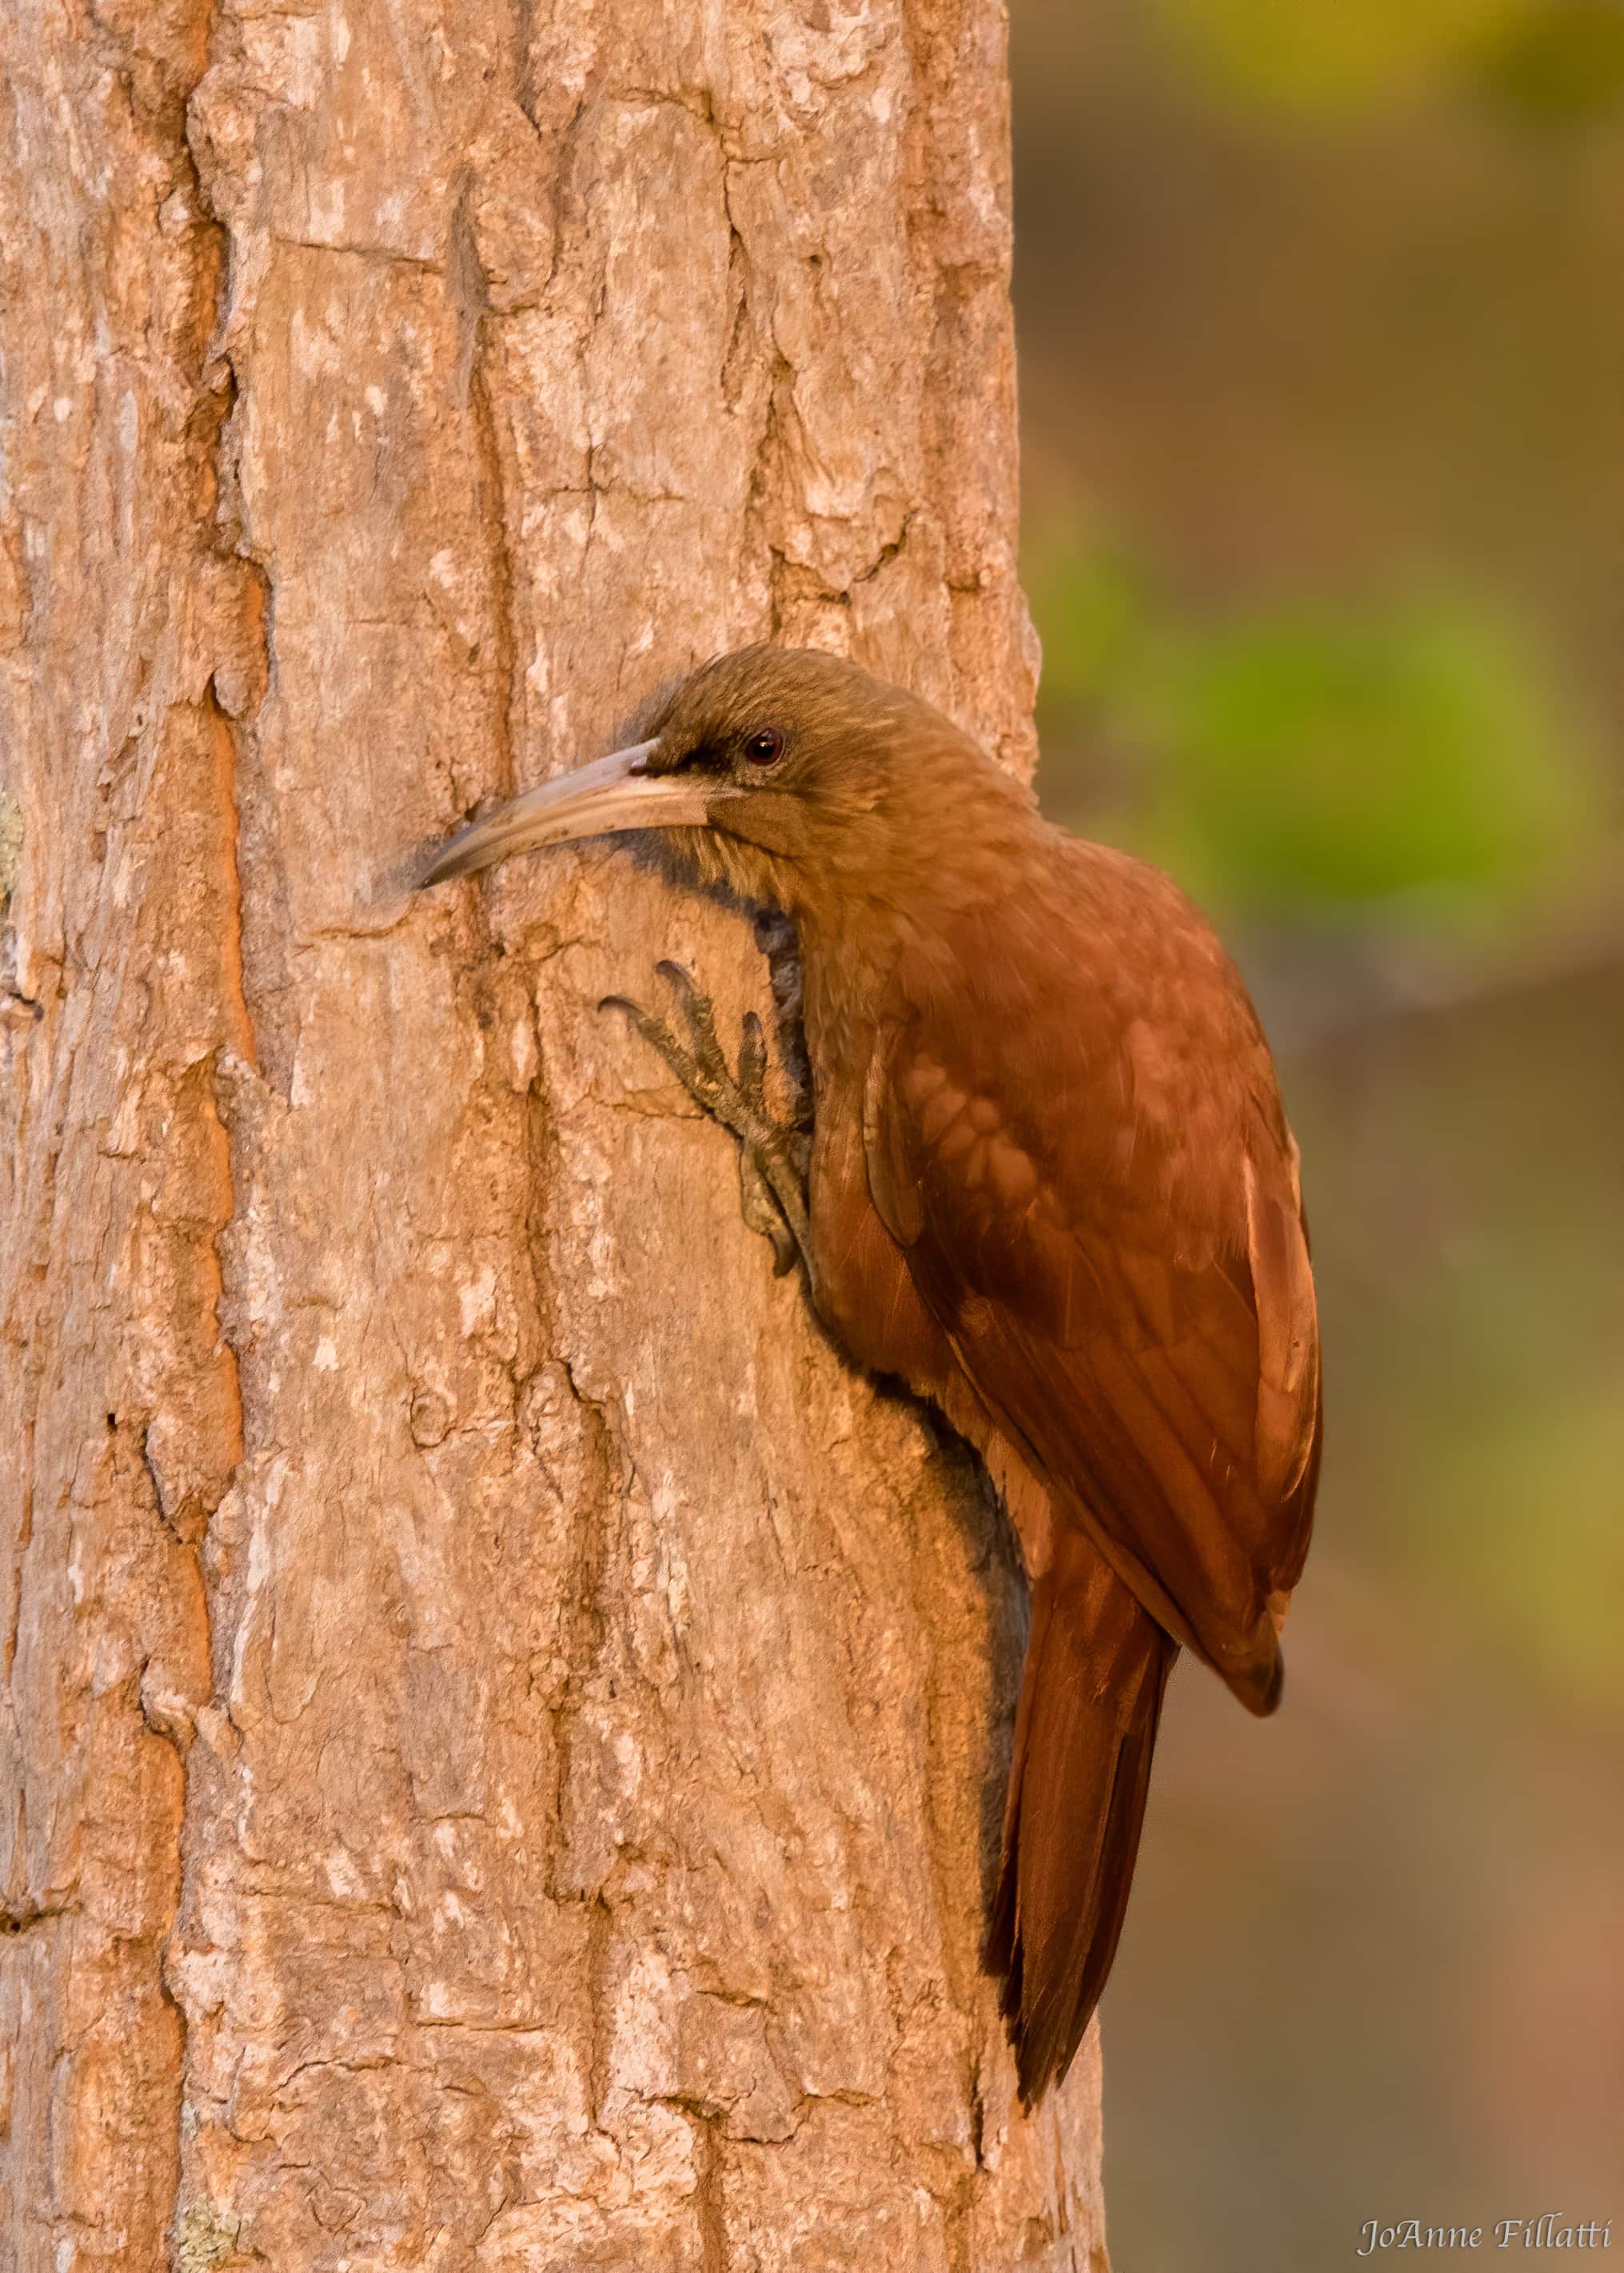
{"x":1553,"y":2230}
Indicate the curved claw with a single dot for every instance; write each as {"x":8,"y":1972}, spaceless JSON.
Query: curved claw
{"x":762,"y":1212}
{"x":695,"y":1009}
{"x":771,"y":1164}
{"x":648,"y":1026}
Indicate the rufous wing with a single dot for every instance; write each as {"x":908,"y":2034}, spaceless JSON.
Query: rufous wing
{"x":1120,"y":1263}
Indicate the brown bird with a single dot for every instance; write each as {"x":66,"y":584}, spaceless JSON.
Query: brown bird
{"x":1051,"y":1187}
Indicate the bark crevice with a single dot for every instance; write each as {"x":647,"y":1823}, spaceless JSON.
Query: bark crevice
{"x":536,"y":1704}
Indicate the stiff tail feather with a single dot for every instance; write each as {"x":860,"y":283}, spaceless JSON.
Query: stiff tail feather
{"x":1091,"y":1697}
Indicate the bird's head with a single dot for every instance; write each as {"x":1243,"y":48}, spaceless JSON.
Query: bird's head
{"x":790,"y":774}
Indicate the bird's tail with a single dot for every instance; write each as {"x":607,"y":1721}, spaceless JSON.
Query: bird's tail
{"x":1090,"y":1699}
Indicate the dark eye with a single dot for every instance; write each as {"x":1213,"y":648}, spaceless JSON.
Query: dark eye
{"x":765,"y":745}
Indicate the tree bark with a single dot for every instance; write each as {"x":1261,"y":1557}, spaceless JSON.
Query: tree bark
{"x":503,"y":1729}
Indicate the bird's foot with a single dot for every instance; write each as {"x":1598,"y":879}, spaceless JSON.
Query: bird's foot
{"x":772,"y":1155}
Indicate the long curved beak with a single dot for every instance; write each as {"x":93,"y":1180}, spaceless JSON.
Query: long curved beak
{"x":611,"y":794}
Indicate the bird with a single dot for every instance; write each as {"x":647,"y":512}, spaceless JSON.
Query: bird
{"x":1048,"y":1184}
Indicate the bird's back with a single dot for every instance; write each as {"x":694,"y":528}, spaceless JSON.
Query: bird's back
{"x":1073,"y":1131}
{"x":1059,"y":1195}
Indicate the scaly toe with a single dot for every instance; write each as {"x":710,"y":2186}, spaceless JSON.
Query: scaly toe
{"x":771,"y":1158}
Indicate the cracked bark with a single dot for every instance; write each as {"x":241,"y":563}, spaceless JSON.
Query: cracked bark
{"x":501,"y":1730}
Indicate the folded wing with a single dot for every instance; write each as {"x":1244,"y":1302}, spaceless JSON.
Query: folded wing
{"x":1082,"y":1154}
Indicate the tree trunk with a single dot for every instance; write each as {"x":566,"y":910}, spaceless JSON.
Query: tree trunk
{"x":503,"y":1729}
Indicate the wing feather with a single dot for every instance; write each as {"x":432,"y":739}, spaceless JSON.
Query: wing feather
{"x":1096,"y":1193}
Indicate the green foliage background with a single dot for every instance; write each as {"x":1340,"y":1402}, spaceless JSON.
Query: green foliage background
{"x":1322,"y":352}
{"x":1312,"y":759}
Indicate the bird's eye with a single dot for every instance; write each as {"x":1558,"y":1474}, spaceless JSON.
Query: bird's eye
{"x":764,"y":746}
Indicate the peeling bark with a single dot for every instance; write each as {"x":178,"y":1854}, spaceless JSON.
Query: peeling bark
{"x":502,"y":1730}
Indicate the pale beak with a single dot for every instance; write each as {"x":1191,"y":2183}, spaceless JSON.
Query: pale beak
{"x":611,"y":794}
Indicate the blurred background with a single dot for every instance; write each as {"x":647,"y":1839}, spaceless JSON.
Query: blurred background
{"x":1321,"y":317}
